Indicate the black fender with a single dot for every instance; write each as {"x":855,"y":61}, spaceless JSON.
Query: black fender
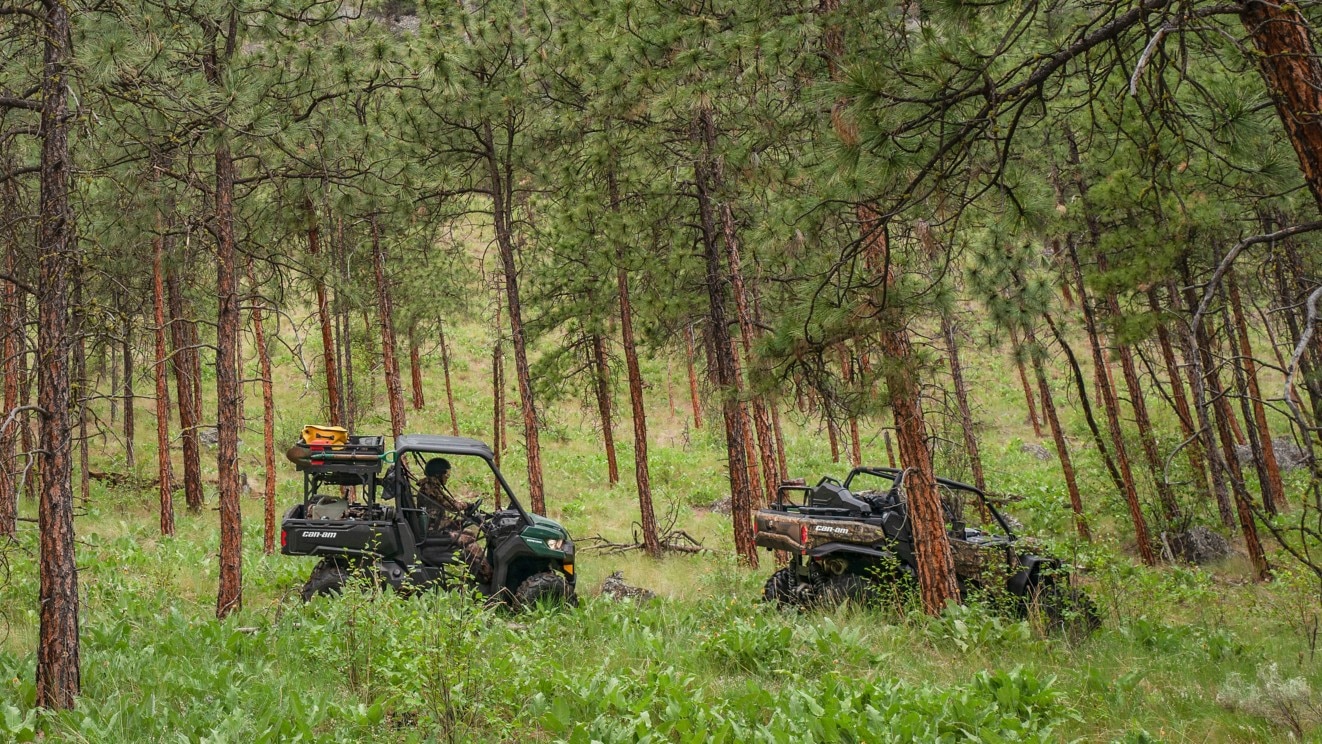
{"x":1029,"y":577}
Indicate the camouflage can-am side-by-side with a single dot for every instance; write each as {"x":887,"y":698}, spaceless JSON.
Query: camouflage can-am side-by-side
{"x":853,"y":541}
{"x":344,"y":522}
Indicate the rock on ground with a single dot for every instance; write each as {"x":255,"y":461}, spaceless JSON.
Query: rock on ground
{"x":1199,"y":545}
{"x":1289,"y":456}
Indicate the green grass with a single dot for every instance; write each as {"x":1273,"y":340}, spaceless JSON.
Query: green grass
{"x":1183,"y":655}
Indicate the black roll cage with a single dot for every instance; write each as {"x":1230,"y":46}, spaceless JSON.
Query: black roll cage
{"x":897,"y":476}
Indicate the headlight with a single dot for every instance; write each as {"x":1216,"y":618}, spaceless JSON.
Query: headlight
{"x":555,"y":544}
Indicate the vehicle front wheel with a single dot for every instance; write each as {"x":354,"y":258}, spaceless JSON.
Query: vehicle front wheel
{"x":1069,"y":610}
{"x":547,"y":587}
{"x":327,"y":579}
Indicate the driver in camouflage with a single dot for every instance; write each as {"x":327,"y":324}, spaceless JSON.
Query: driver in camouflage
{"x":445,"y":517}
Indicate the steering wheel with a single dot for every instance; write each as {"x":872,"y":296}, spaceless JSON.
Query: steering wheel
{"x":472,"y":513}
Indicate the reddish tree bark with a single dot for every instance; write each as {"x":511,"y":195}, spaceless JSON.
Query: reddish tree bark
{"x":1273,"y":490}
{"x":333,"y":403}
{"x":1023,"y":383}
{"x":1178,"y":398}
{"x":182,"y":360}
{"x":1199,"y":357}
{"x":1062,"y":448}
{"x":601,"y":385}
{"x":833,"y":436}
{"x":693,"y":377}
{"x":932,"y":553}
{"x":855,"y":446}
{"x":445,"y":365}
{"x":501,"y":209}
{"x":58,"y":676}
{"x":498,"y":387}
{"x":761,"y":422}
{"x":126,"y":353}
{"x":1105,"y":389}
{"x":951,"y":332}
{"x":164,"y":468}
{"x":1170,"y":506}
{"x":9,"y":349}
{"x":1112,"y":408}
{"x":726,"y":362}
{"x":268,"y":419}
{"x":642,"y":477}
{"x":1292,"y":72}
{"x":1243,"y":503}
{"x":229,"y":413}
{"x":415,"y":369}
{"x":389,"y":351}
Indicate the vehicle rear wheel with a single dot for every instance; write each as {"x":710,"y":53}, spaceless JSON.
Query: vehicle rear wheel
{"x":327,"y":579}
{"x":547,"y":587}
{"x":780,"y":588}
{"x":848,"y":587}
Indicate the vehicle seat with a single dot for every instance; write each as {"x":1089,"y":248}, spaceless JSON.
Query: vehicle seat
{"x":439,"y":549}
{"x":836,"y":497}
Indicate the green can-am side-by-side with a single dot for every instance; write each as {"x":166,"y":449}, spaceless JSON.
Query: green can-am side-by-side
{"x":853,"y":541}
{"x":508,"y":555}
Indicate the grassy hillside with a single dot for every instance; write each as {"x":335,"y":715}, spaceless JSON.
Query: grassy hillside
{"x":1183,"y":655}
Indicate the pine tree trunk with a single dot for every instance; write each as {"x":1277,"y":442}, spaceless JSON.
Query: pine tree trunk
{"x":932,"y":553}
{"x":1292,"y":72}
{"x":642,"y":477}
{"x":890,"y":450}
{"x":833,"y":435}
{"x":1058,"y":436}
{"x":1170,"y":506}
{"x":114,"y":382}
{"x":601,"y":384}
{"x":9,"y":366}
{"x":58,"y":675}
{"x":1023,"y":383}
{"x":498,"y":387}
{"x":182,"y":357}
{"x":498,"y":399}
{"x":761,"y":421}
{"x":693,"y":377}
{"x":389,"y":351}
{"x":268,"y":419}
{"x":32,"y":465}
{"x":1273,"y":490}
{"x":726,"y":369}
{"x":333,"y":403}
{"x":445,"y":365}
{"x":782,"y":469}
{"x":164,"y":468}
{"x":1243,"y":502}
{"x":1180,"y":400}
{"x":229,"y":413}
{"x":1112,"y":408}
{"x":1310,"y":375}
{"x":502,"y":208}
{"x":855,"y":447}
{"x":415,"y":369}
{"x":126,"y":353}
{"x":951,"y":333}
{"x":1199,"y":356}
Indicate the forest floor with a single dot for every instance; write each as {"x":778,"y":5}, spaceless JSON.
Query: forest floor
{"x":1184,"y":654}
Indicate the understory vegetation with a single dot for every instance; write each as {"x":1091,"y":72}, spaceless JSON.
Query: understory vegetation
{"x":1183,"y":654}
